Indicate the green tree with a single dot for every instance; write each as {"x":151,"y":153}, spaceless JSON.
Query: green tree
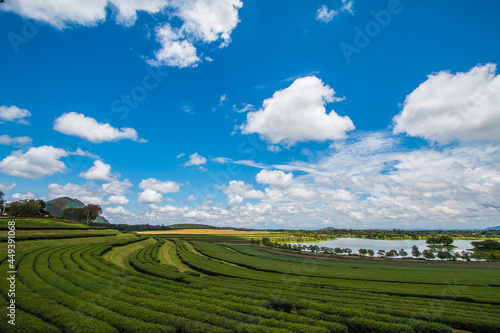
{"x":466,"y":255}
{"x":433,"y":240}
{"x":403,"y":253}
{"x":29,"y":208}
{"x":14,"y":208}
{"x":428,"y":254}
{"x":415,"y":251}
{"x":371,"y":253}
{"x":445,"y":240}
{"x":391,"y":254}
{"x":2,"y":200}
{"x":363,"y":252}
{"x":444,"y":255}
{"x":91,"y":212}
{"x":381,"y":253}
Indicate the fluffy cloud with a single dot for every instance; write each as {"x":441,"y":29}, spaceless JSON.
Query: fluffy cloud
{"x":175,"y":51}
{"x":6,"y":188}
{"x":159,"y":186}
{"x":275,"y":178}
{"x":22,"y":196}
{"x":118,"y":199}
{"x":16,"y":141}
{"x":149,"y":196}
{"x":117,"y":187}
{"x":118,"y":211}
{"x":88,"y":128}
{"x":463,"y":106}
{"x":14,"y":114}
{"x":298,"y":113}
{"x":236,"y":191}
{"x":64,"y":14}
{"x":34,"y":163}
{"x":191,"y":198}
{"x":100,"y":171}
{"x":88,"y":193}
{"x":203,"y":21}
{"x":325,"y":15}
{"x":195,"y":159}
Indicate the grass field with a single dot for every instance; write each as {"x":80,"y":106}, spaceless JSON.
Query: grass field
{"x":179,"y":283}
{"x":204,"y":232}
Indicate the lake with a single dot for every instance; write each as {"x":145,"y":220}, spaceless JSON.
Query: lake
{"x":381,"y":244}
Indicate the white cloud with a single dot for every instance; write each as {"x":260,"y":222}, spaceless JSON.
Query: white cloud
{"x":347,"y":6}
{"x":7,"y":188}
{"x":203,"y":21}
{"x":156,"y":185}
{"x":191,"y":198}
{"x":237,"y":191}
{"x":100,"y":171}
{"x":64,"y":14}
{"x":14,"y":114}
{"x":325,"y":15}
{"x":298,"y":113}
{"x":181,"y":155}
{"x":195,"y":159}
{"x":118,"y":211}
{"x":118,"y":199}
{"x":175,"y":51}
{"x":88,"y":128}
{"x":117,"y":187}
{"x":15,"y":141}
{"x":34,"y":163}
{"x":88,"y":193}
{"x":22,"y":196}
{"x":275,"y":178}
{"x":463,"y":106}
{"x":149,"y":196}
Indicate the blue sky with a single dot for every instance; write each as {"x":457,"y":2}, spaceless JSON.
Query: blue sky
{"x":282,"y":114}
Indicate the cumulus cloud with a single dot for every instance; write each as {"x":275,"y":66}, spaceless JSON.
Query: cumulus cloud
{"x":446,"y":107}
{"x":34,"y":163}
{"x":149,"y":196}
{"x":7,"y":188}
{"x":117,"y":187}
{"x":14,"y":114}
{"x":195,"y":159}
{"x":88,"y":128}
{"x":203,"y":21}
{"x":64,"y":14}
{"x":237,"y":191}
{"x":275,"y":178}
{"x":118,"y":199}
{"x":22,"y":196}
{"x":119,"y":210}
{"x":298,"y":113}
{"x":159,"y":186}
{"x":7,"y":140}
{"x":325,"y":15}
{"x":88,"y":193}
{"x":175,"y":51}
{"x":191,"y":198}
{"x":100,"y":171}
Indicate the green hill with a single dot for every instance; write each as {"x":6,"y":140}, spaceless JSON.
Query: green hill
{"x":191,"y":226}
{"x":70,"y":203}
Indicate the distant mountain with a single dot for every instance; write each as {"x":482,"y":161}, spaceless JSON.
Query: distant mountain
{"x":494,"y":228}
{"x":70,"y":203}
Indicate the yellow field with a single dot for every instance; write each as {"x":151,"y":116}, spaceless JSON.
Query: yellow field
{"x":200,"y":232}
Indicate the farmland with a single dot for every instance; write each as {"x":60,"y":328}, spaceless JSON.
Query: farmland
{"x":196,"y":281}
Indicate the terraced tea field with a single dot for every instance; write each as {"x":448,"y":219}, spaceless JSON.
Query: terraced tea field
{"x":129,"y":283}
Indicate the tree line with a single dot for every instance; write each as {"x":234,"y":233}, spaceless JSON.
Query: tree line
{"x":36,"y":208}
